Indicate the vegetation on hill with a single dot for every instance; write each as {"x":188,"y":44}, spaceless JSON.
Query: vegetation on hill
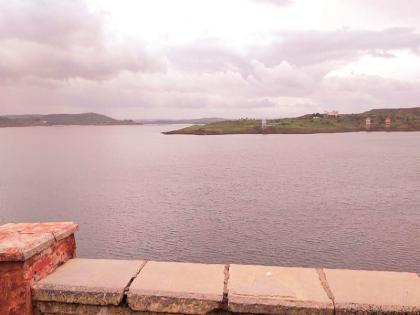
{"x":181,"y":121}
{"x":402,"y":119}
{"x":61,"y":119}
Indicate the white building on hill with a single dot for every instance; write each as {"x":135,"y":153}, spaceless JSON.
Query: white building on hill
{"x":263,"y":123}
{"x":333,"y":113}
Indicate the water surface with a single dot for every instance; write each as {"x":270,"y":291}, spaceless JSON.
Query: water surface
{"x":335,"y":200}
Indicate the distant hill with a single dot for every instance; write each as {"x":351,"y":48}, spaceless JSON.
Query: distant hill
{"x":61,"y":119}
{"x":181,"y":121}
{"x":402,"y":119}
{"x":396,"y":112}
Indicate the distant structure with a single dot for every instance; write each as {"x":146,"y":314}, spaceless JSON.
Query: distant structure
{"x":263,"y":123}
{"x":368,"y":123}
{"x":388,"y":122}
{"x":316,"y":116}
{"x":333,"y":113}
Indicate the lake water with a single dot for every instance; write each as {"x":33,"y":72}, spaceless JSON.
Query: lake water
{"x":335,"y":200}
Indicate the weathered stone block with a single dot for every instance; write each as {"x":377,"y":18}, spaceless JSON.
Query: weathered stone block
{"x":276,"y":290}
{"x":173,"y":287}
{"x":88,"y":281}
{"x":21,"y":241}
{"x":28,"y":252}
{"x":361,"y":292}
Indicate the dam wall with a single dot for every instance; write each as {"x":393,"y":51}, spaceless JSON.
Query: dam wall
{"x":40,"y":274}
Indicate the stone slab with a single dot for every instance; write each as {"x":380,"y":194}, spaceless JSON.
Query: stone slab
{"x":173,"y":287}
{"x":276,"y":290}
{"x":88,"y":281}
{"x":21,"y":241}
{"x":359,"y":291}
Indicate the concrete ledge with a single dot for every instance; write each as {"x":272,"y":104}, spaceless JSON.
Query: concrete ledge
{"x":361,"y":292}
{"x":88,"y":281}
{"x":97,"y":286}
{"x":177,"y":288}
{"x":276,"y":290}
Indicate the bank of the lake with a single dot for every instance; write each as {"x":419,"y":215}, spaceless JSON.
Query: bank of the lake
{"x":83,"y":119}
{"x":401,"y":119}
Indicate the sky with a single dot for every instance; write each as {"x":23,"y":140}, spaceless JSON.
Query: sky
{"x":149,"y":59}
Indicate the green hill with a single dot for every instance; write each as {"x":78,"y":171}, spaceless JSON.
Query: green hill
{"x":402,"y":119}
{"x":61,"y":119}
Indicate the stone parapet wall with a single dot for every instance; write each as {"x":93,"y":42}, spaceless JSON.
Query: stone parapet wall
{"x":128,"y":287}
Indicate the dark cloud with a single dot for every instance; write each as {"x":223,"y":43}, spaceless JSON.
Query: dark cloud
{"x":20,"y":59}
{"x":61,"y":39}
{"x":360,"y":92}
{"x":312,"y":47}
{"x":54,"y":22}
{"x":319,"y":52}
{"x":208,"y":55}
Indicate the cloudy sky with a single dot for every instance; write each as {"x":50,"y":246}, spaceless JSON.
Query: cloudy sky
{"x":197,"y":58}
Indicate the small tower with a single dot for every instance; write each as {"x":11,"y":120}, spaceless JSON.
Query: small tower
{"x":388,"y":122}
{"x":368,"y":123}
{"x":263,"y":124}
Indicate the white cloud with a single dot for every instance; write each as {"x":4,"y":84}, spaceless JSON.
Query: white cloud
{"x":280,"y":3}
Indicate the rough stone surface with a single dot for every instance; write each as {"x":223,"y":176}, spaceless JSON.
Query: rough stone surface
{"x":177,"y":288}
{"x":47,"y":308}
{"x":21,"y":241}
{"x":16,"y":277}
{"x":59,"y":230}
{"x":361,"y":292}
{"x":88,"y":281}
{"x":276,"y":290}
{"x":55,"y":308}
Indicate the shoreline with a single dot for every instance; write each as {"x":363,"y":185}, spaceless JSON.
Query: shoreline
{"x":68,"y":125}
{"x":397,"y":119}
{"x":176,"y":132}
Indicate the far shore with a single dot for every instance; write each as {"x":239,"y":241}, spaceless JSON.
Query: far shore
{"x":399,"y":119}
